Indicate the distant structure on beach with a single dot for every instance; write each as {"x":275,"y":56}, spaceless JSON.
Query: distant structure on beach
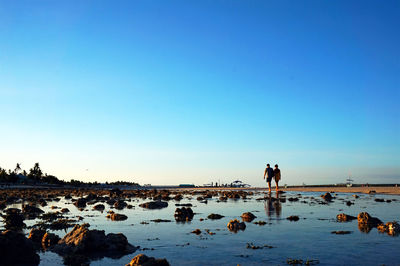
{"x":236,"y":183}
{"x":349,"y":181}
{"x":186,"y":185}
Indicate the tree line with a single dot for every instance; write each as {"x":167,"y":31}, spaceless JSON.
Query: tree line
{"x":36,"y":176}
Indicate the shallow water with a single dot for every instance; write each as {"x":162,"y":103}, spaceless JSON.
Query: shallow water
{"x":309,"y":238}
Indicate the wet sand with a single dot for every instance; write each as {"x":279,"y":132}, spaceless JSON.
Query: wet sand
{"x":378,"y":190}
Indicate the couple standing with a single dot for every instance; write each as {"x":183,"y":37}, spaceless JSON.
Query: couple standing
{"x":270,"y":173}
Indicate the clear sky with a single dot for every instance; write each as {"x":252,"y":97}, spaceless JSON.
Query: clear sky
{"x":169,"y":92}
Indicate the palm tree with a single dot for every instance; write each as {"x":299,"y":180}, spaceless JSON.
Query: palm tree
{"x":17,"y":168}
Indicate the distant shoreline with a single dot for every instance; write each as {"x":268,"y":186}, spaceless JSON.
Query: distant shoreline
{"x":378,"y":189}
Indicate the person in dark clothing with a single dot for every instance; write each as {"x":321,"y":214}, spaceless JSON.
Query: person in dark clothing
{"x":269,"y":173}
{"x":277,"y":175}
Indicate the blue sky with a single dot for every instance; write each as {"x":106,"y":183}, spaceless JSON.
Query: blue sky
{"x":168,"y":92}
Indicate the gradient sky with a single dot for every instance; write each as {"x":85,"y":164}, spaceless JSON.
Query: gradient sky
{"x":169,"y":92}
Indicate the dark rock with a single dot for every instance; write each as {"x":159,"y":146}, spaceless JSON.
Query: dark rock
{"x":64,"y":210}
{"x":235,"y":225}
{"x":115,"y":192}
{"x":380,"y":200}
{"x":31,"y":212}
{"x":117,"y":217}
{"x":49,"y":240}
{"x":349,"y":203}
{"x":341,"y":232}
{"x":214,"y":216}
{"x":197,"y":232}
{"x":13,"y":219}
{"x":80,"y":203}
{"x":154,"y":205}
{"x":327,"y":196}
{"x":16,"y":249}
{"x":342,"y":217}
{"x":248,"y":217}
{"x":99,"y":207}
{"x":183,"y":214}
{"x":293,"y":218}
{"x":183,"y":205}
{"x":260,"y":222}
{"x":143,"y":260}
{"x":293,"y":199}
{"x":36,"y":235}
{"x":120,"y":204}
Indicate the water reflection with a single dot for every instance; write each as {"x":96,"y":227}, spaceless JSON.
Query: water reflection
{"x":272,"y":206}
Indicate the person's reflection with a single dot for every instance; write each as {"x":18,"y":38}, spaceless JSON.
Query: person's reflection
{"x":272,"y":206}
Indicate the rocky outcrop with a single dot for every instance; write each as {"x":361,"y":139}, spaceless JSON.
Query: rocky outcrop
{"x":36,"y":235}
{"x":235,"y":225}
{"x":154,"y":205}
{"x":391,"y":228}
{"x":143,"y":260}
{"x":16,"y":249}
{"x":366,"y":222}
{"x":87,"y":242}
{"x":342,"y":217}
{"x":183,"y":214}
{"x":248,"y":217}
{"x":49,"y":240}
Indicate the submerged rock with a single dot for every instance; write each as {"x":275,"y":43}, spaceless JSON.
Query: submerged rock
{"x":214,"y":216}
{"x":341,"y":232}
{"x":197,"y":231}
{"x":293,"y":218}
{"x":16,"y":249}
{"x":154,"y":205}
{"x":143,"y":260}
{"x":235,"y":225}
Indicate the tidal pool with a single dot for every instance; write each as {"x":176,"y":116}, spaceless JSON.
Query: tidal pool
{"x":309,"y":238}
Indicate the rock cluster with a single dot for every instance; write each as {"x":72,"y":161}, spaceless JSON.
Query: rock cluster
{"x":391,"y":228}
